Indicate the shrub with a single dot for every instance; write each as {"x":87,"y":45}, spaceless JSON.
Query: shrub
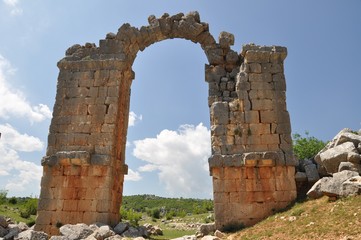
{"x":3,"y":194}
{"x":131,"y":216}
{"x":30,"y":208}
{"x":13,"y":200}
{"x":155,"y":213}
{"x":306,"y":147}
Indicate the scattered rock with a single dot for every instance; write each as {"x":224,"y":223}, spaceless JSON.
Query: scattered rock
{"x":312,"y":173}
{"x":3,"y":231}
{"x":351,"y":186}
{"x":121,"y":227}
{"x":207,"y":229}
{"x":75,"y":232}
{"x":301,"y":177}
{"x":219,"y":234}
{"x":332,"y":157}
{"x":209,"y":237}
{"x":3,"y":222}
{"x":191,"y":237}
{"x":153,"y":230}
{"x":333,"y":186}
{"x":13,"y":231}
{"x":348,"y":166}
{"x":31,"y":235}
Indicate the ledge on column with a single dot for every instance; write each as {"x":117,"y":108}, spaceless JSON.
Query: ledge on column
{"x":250,"y":159}
{"x":76,"y":158}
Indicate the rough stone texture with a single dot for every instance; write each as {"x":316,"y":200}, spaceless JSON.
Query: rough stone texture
{"x":252,"y":162}
{"x":206,"y":229}
{"x":3,"y":222}
{"x":332,"y":157}
{"x":75,"y":232}
{"x":32,"y":235}
{"x":351,"y":186}
{"x":312,"y":173}
{"x":334,"y":186}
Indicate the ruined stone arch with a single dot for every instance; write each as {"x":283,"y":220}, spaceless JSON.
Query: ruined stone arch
{"x":252,"y":164}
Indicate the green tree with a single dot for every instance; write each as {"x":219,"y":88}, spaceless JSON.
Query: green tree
{"x":3,"y":194}
{"x":306,"y":147}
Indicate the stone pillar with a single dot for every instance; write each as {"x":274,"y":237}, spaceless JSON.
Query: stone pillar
{"x":83,"y":172}
{"x":252,"y":162}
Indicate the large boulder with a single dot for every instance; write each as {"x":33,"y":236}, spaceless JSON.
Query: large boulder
{"x":32,"y":235}
{"x":312,"y":172}
{"x":14,"y":230}
{"x":121,"y":227}
{"x":332,"y":186}
{"x":351,"y":186}
{"x":3,"y":231}
{"x":3,"y":222}
{"x":206,"y":229}
{"x":75,"y":232}
{"x":332,"y":157}
{"x":134,"y":232}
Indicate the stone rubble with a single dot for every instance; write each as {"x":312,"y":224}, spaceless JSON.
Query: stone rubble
{"x":339,"y":162}
{"x":98,"y":231}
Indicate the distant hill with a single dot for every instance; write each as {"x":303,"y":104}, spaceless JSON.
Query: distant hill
{"x":142,"y":203}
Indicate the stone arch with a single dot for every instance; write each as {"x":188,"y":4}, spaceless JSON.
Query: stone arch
{"x":252,"y":164}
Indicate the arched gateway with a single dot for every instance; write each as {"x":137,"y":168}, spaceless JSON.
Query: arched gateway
{"x":252,"y":164}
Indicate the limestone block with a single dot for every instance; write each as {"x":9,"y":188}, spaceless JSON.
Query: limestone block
{"x":278,"y":57}
{"x":262,"y":104}
{"x":284,"y":129}
{"x":312,"y":173}
{"x":232,"y":57}
{"x":256,"y":129}
{"x":255,"y":67}
{"x":219,"y":113}
{"x":226,"y":39}
{"x":260,"y":77}
{"x":252,"y":117}
{"x":266,"y":172}
{"x":268,"y":116}
{"x":270,"y":139}
{"x":214,"y":73}
{"x":262,"y":86}
{"x":215,"y":56}
{"x":257,"y":56}
{"x":332,"y":157}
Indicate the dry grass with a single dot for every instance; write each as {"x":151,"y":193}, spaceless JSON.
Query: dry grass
{"x":313,"y":219}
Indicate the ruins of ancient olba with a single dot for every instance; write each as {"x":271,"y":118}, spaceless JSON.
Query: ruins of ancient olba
{"x":252,"y":163}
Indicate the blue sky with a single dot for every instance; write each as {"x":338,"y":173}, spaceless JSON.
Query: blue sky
{"x":168,"y":142}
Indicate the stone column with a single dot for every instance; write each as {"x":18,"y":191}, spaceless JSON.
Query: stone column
{"x":252,"y":162}
{"x":83,"y":172}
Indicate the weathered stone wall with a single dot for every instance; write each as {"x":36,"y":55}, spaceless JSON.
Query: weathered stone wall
{"x":251,"y":162}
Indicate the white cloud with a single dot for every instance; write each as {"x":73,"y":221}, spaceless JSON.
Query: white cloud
{"x":133,"y":118}
{"x":14,"y":7}
{"x":14,"y":103}
{"x":19,"y":142}
{"x":132,"y":176}
{"x":181,"y":158}
{"x":23,"y":173}
{"x":148,"y":168}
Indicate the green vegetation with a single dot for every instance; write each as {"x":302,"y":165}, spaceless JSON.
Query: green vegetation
{"x":306,"y":147}
{"x":18,"y":209}
{"x":159,"y":207}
